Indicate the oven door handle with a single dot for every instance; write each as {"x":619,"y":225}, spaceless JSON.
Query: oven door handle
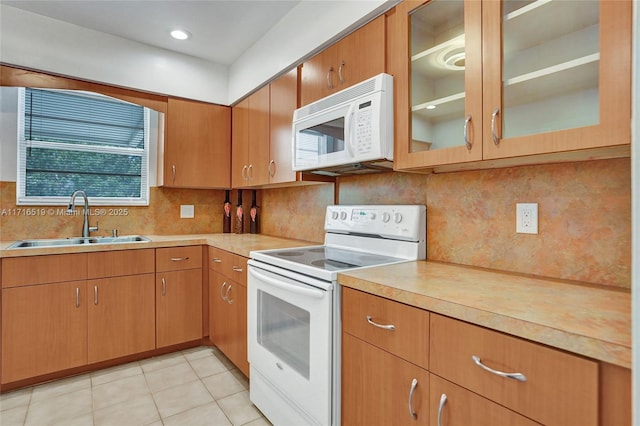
{"x":304,"y":291}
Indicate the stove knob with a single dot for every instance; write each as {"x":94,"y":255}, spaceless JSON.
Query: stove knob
{"x":397,"y":218}
{"x":372,"y":216}
{"x":343,"y":215}
{"x":386,"y":217}
{"x":334,"y":215}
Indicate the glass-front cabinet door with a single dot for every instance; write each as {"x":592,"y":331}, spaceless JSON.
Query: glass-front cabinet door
{"x":439,"y":117}
{"x":556,"y":76}
{"x":486,"y":79}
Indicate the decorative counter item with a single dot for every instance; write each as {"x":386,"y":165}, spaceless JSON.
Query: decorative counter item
{"x":253,"y":215}
{"x":239,"y":215}
{"x":226,"y":215}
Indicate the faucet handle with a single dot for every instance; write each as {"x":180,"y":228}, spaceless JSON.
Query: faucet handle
{"x":114,"y":233}
{"x":94,"y":228}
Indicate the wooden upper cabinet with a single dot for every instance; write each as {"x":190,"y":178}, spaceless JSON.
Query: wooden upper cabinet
{"x":478,"y":80}
{"x":197,"y":145}
{"x":562,"y":89}
{"x":356,"y":57}
{"x":284,"y":100}
{"x":250,"y":152}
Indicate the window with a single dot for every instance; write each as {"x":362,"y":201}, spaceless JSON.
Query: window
{"x":70,"y":140}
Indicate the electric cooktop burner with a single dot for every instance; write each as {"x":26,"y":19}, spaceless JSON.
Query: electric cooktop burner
{"x":331,"y":258}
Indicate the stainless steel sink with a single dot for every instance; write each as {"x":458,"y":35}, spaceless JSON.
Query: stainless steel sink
{"x":57,"y":242}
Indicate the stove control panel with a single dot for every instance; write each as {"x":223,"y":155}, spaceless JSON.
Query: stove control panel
{"x":407,"y":222}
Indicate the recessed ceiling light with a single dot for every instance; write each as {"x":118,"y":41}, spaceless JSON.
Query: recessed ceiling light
{"x":431,"y":107}
{"x":180,"y":34}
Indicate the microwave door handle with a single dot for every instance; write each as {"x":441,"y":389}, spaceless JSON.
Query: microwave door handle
{"x":303,"y":291}
{"x":349,"y":131}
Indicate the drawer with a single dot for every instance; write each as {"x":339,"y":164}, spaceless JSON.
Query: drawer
{"x":228,"y":264}
{"x":120,"y":263}
{"x":560,"y":388}
{"x":239,"y":269}
{"x":409,"y":338}
{"x":55,"y":268}
{"x":220,"y":260}
{"x":462,"y":407}
{"x":177,"y":258}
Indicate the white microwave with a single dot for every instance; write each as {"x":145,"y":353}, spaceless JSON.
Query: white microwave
{"x":350,"y":131}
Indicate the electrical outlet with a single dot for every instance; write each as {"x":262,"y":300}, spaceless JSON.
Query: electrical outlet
{"x":527,"y":218}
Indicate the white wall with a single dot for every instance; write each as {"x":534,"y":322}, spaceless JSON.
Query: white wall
{"x":34,"y":41}
{"x":37,"y":42}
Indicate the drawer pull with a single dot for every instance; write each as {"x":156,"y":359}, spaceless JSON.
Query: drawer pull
{"x":216,"y":260}
{"x":516,"y":376}
{"x":179,"y":259}
{"x":236,"y":268}
{"x":414,"y":385}
{"x":443,"y":400}
{"x":383,"y":326}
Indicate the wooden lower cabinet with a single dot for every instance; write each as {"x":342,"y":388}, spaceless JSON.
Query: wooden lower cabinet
{"x":44,"y":329}
{"x":178,"y":306}
{"x":228,"y":318}
{"x":376,"y":387}
{"x":121,"y":316}
{"x":452,"y":405}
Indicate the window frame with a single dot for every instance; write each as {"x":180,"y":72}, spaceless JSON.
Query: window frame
{"x":24,"y":143}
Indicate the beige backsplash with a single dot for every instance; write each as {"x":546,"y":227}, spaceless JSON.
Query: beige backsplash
{"x":584,"y":216}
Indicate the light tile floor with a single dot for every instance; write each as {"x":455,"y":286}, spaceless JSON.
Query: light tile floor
{"x":198,"y":386}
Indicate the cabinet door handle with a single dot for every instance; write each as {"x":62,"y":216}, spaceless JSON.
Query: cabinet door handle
{"x":516,"y":376}
{"x":164,"y":287}
{"x":95,"y":294}
{"x":216,"y":260}
{"x":414,"y":385}
{"x":340,"y":68}
{"x":329,"y":82}
{"x":173,"y":173}
{"x":443,"y":400}
{"x":244,"y":172}
{"x":466,"y":132}
{"x":226,"y":296}
{"x":494,"y":135}
{"x":224,"y":284}
{"x":383,"y":326}
{"x":236,"y":268}
{"x":250,"y":172}
{"x":272,"y":163}
{"x":179,"y":259}
{"x":77,"y":297}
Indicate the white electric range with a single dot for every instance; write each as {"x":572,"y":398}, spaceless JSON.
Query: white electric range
{"x":294,"y":307}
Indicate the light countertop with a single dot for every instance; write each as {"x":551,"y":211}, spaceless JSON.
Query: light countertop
{"x":240,"y":244}
{"x":584,"y":319}
{"x":588,"y":320}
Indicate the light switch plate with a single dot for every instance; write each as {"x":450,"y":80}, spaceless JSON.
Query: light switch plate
{"x":186,"y":211}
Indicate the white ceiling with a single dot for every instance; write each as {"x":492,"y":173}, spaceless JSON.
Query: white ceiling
{"x":221,"y":29}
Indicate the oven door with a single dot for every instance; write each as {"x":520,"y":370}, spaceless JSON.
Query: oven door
{"x":290,"y":346}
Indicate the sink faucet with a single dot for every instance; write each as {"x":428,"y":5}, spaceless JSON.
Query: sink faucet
{"x":86,"y":229}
